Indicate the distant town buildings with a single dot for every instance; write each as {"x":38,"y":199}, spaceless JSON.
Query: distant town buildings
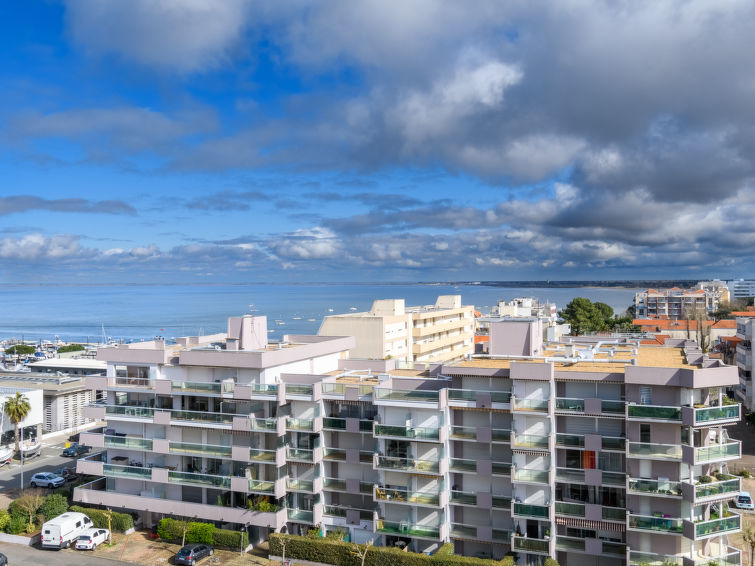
{"x":521,"y":308}
{"x":676,"y":303}
{"x":390,"y":330}
{"x":741,"y":288}
{"x":744,"y":391}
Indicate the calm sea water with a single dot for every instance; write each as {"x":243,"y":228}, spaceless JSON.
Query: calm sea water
{"x":78,"y":313}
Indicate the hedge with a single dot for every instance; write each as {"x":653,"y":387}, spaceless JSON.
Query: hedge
{"x":171,"y":529}
{"x":342,"y":554}
{"x":119,"y":521}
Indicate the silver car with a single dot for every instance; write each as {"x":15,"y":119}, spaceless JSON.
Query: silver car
{"x":46,"y":479}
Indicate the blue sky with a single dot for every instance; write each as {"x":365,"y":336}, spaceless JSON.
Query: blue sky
{"x":181,"y":141}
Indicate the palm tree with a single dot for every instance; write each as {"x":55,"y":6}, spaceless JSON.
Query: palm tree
{"x":17,"y":408}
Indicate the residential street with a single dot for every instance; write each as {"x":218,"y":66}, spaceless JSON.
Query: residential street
{"x":29,"y":556}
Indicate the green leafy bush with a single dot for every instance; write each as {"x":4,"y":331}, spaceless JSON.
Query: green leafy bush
{"x":744,"y":473}
{"x":20,"y":349}
{"x":170,"y":529}
{"x":342,"y":554}
{"x":70,"y":348}
{"x":200,"y":532}
{"x":54,"y":505}
{"x":229,"y":539}
{"x":119,"y":522}
{"x":264,"y":507}
{"x":445,"y":550}
{"x":550,"y":562}
{"x":17,"y":524}
{"x":4,"y":520}
{"x":705,"y":479}
{"x":15,"y":510}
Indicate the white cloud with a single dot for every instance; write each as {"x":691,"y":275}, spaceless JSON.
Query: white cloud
{"x":34,"y":247}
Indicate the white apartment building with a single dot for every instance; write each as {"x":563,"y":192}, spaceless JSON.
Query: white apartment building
{"x":33,"y":421}
{"x":677,"y":303}
{"x":744,"y":391}
{"x":741,"y":288}
{"x":390,"y":330}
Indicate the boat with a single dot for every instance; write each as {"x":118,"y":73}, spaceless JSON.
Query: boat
{"x":330,"y":310}
{"x":296,"y":318}
{"x":17,"y":368}
{"x":6,"y":455}
{"x":30,"y":448}
{"x":311,"y":320}
{"x":352,"y":308}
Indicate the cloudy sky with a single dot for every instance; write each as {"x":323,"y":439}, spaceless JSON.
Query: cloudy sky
{"x":196,"y":140}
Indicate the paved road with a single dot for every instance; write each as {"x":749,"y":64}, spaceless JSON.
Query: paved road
{"x":49,"y":461}
{"x":19,"y":555}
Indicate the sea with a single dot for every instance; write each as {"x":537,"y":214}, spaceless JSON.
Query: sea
{"x":93,"y":313}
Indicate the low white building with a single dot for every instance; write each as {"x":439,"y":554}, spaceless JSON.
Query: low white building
{"x":33,"y":420}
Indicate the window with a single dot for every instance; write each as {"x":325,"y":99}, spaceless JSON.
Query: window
{"x":588,"y":460}
{"x":645,"y":396}
{"x":610,"y":462}
{"x":644,"y":432}
{"x":574,"y":459}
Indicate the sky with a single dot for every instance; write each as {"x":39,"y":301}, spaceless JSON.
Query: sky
{"x":375,"y":140}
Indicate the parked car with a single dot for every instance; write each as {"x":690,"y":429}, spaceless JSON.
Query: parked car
{"x":3,"y":559}
{"x":46,"y":479}
{"x":193,"y":553}
{"x":76,"y":449}
{"x":68,"y":474}
{"x":744,"y":501}
{"x":91,"y":538}
{"x":64,"y":530}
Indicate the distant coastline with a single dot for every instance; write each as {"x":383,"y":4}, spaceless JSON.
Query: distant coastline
{"x":586,"y":284}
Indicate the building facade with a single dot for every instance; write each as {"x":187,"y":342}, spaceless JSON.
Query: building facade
{"x":591,"y":452}
{"x":744,"y":391}
{"x":390,"y":330}
{"x":741,"y":288}
{"x":676,"y":303}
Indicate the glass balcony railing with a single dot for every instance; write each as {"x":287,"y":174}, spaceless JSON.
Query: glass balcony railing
{"x":462,"y":465}
{"x":365,"y":425}
{"x":464,"y":433}
{"x":300,"y":515}
{"x":299,"y":389}
{"x":654,"y":412}
{"x":334,"y":484}
{"x":337,"y":454}
{"x":463,"y":498}
{"x":306,"y":425}
{"x":299,"y":454}
{"x":618,"y":479}
{"x":637,"y":558}
{"x":615,"y":548}
{"x":501,"y":502}
{"x":131,"y":472}
{"x":259,"y":455}
{"x":333,"y":423}
{"x":715,"y":452}
{"x":535,"y":405}
{"x":732,"y":485}
{"x":463,"y":531}
{"x":334,"y":389}
{"x":136,"y":382}
{"x":526,"y":544}
{"x":708,"y":414}
{"x":570,"y":440}
{"x":264,"y":425}
{"x":614,"y":514}
{"x":338,"y":511}
{"x":130,"y":411}
{"x":571,"y":509}
{"x":200,"y":449}
{"x":732,"y":522}
{"x":612,"y":407}
{"x":614,"y":443}
{"x":570,"y":475}
{"x":407,"y":464}
{"x":500,"y":435}
{"x":128,"y":442}
{"x":401,"y":495}
{"x":657,"y":451}
{"x":203,"y":417}
{"x":531,"y":476}
{"x":570,"y":543}
{"x":568,"y":404}
{"x":500,"y":396}
{"x":501,"y":468}
{"x":405,"y":528}
{"x":295,"y":484}
{"x":661,"y":487}
{"x":462,"y":395}
{"x":408,"y":396}
{"x":530,"y":441}
{"x":199,"y":479}
{"x":416,"y":433}
{"x":262,"y":486}
{"x":651,"y":523}
{"x":201,"y":387}
{"x":264,"y":389}
{"x":535,"y":511}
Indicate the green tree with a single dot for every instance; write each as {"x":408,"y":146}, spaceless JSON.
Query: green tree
{"x":584,"y":316}
{"x":748,"y":536}
{"x":606,"y":311}
{"x":70,"y":348}
{"x":21,"y":350}
{"x":54,"y":505}
{"x":17,"y":408}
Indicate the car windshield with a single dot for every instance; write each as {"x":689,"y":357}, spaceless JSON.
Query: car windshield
{"x":744,"y":499}
{"x":84,"y":537}
{"x":184,"y":552}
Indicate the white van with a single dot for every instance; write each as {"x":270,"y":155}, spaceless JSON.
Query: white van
{"x":64,"y":529}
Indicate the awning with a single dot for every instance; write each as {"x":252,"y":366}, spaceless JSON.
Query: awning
{"x":592,"y":525}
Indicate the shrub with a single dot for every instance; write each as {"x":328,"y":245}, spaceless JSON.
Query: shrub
{"x":744,"y":473}
{"x":342,"y":554}
{"x":54,"y":505}
{"x":200,"y":532}
{"x":20,"y":349}
{"x":445,"y":550}
{"x":550,"y":562}
{"x":264,"y":507}
{"x":4,"y":520}
{"x":170,"y":529}
{"x":70,"y":348}
{"x":17,"y":524}
{"x":705,"y":479}
{"x":120,"y":522}
{"x":229,"y":539}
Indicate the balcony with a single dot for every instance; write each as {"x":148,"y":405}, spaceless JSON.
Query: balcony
{"x":301,"y":516}
{"x":128,"y":442}
{"x":131,"y":383}
{"x":341,"y":512}
{"x":637,"y":558}
{"x":531,"y":511}
{"x":727,"y":487}
{"x":300,"y":425}
{"x":264,"y":391}
{"x":468,"y":498}
{"x":471,"y":398}
{"x":570,"y":475}
{"x":570,"y":405}
{"x":530,"y":441}
{"x":202,"y":388}
{"x":614,"y":514}
{"x":410,"y":465}
{"x":193,"y":449}
{"x":665,"y":525}
{"x":463,"y":531}
{"x":406,"y":497}
{"x":531,"y":545}
{"x":462,"y":466}
{"x":711,"y":416}
{"x":385,"y":396}
{"x":407,"y":529}
{"x":653,"y":413}
{"x":570,"y":544}
{"x":715,"y":526}
{"x":338,"y":390}
{"x":526,"y":475}
{"x":129,"y":472}
{"x":423,"y":434}
{"x":300,"y":455}
{"x":731,"y":450}
{"x":663,"y":488}
{"x":201,"y":480}
{"x":727,"y":556}
{"x":262,"y":487}
{"x":340,"y":424}
{"x":651,"y":451}
{"x":612,"y":407}
{"x":296,"y":484}
{"x":264,"y":425}
{"x":540,"y":406}
{"x":298,"y":390}
{"x":570,"y":440}
{"x":570,"y":509}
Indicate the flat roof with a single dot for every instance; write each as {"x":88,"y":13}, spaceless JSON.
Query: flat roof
{"x":43,"y":381}
{"x":84,"y":363}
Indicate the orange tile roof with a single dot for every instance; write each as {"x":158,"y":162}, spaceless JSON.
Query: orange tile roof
{"x":731,"y":339}
{"x":665,"y":324}
{"x":743,"y":313}
{"x":725,"y":324}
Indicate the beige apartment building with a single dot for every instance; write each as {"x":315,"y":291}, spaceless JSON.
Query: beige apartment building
{"x":390,"y":330}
